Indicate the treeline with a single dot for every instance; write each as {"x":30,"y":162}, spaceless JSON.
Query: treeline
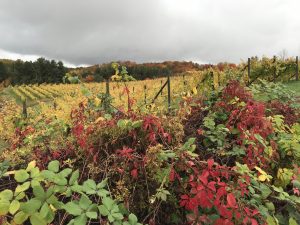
{"x":37,"y":72}
{"x":142,"y":71}
{"x":138,"y":71}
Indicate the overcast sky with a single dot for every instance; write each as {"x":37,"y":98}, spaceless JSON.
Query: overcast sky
{"x":96,"y":31}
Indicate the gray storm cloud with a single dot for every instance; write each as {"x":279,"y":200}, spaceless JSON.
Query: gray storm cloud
{"x":96,"y":31}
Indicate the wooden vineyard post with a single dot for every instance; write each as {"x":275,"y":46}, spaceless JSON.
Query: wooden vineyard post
{"x":249,"y":70}
{"x":133,"y":89}
{"x":24,"y":110}
{"x":107,"y":95}
{"x":274,"y":75}
{"x":107,"y":86}
{"x":145,"y":94}
{"x":297,"y":68}
{"x":161,"y":84}
{"x":213,"y":82}
{"x":169,"y":93}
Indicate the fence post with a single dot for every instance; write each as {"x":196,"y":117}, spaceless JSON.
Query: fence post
{"x":274,"y":75}
{"x":161,"y":93}
{"x":297,"y":68}
{"x":169,"y":93}
{"x":107,"y":86}
{"x":145,"y":93}
{"x":133,"y":89}
{"x":24,"y":111}
{"x":106,"y":106}
{"x":249,"y":67}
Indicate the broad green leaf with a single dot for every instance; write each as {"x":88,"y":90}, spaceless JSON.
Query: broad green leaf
{"x":19,"y":196}
{"x":36,"y":219}
{"x":39,"y":192}
{"x":117,"y":216}
{"x":73,"y":209}
{"x":4,"y":207}
{"x":23,"y":187}
{"x":31,"y":206}
{"x":6,"y":195}
{"x":14,"y":207}
{"x":292,"y":221}
{"x":31,"y":165}
{"x":132,"y":219}
{"x":92,"y":215}
{"x":21,"y":176}
{"x":102,"y":184}
{"x":108,"y":202}
{"x":103,"y":210}
{"x":20,"y":217}
{"x":66,"y":172}
{"x":34,"y":172}
{"x":53,"y":166}
{"x":45,"y":210}
{"x":74,"y":177}
{"x":84,"y":202}
{"x":80,"y":220}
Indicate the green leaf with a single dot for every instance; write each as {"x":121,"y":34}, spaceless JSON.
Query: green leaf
{"x":66,"y":172}
{"x":53,"y":166}
{"x":74,"y":177}
{"x":31,"y":206}
{"x":84,"y":202}
{"x":108,"y":202}
{"x":21,"y":176}
{"x":4,"y":207}
{"x":23,"y":187}
{"x":80,"y":220}
{"x":103,"y":210}
{"x":14,"y":207}
{"x":73,"y":209}
{"x":45,"y":210}
{"x":132,"y":219}
{"x":6,"y":195}
{"x":102,"y":193}
{"x":36,"y":219}
{"x":92,"y":215}
{"x":35,"y":172}
{"x":89,"y":186}
{"x":19,"y":196}
{"x":39,"y":192}
{"x":117,"y":216}
{"x":20,"y":217}
{"x":31,"y":165}
{"x":102,"y":184}
{"x":292,"y":221}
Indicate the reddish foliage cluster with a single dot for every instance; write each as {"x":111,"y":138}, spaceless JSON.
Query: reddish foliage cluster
{"x":154,"y":129}
{"x":249,"y":118}
{"x":280,"y":108}
{"x":20,"y":135}
{"x":212,"y":190}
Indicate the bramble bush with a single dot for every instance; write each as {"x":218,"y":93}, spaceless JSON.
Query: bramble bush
{"x":226,"y":159}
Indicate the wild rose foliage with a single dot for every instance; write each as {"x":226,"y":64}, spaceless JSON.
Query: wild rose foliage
{"x":166,"y":178}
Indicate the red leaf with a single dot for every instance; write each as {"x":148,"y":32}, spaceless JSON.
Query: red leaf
{"x":134,"y":173}
{"x":254,"y":222}
{"x":210,"y":163}
{"x":231,"y":200}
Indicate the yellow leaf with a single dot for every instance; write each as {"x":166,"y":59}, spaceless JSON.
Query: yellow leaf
{"x":263,"y":175}
{"x":194,"y":91}
{"x":99,"y":119}
{"x":97,"y":102}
